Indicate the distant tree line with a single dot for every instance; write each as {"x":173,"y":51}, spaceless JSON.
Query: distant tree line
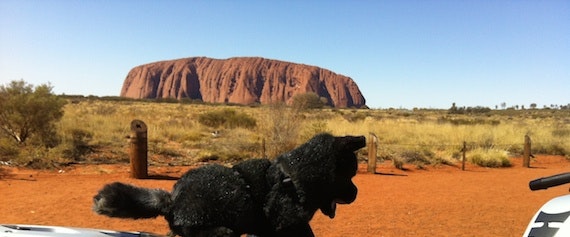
{"x":533,"y":106}
{"x":309,"y":100}
{"x":480,"y":109}
{"x":468,"y":110}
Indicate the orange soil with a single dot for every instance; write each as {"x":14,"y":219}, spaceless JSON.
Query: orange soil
{"x":437,"y":201}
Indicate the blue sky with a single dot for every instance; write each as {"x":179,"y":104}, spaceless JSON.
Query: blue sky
{"x":402,"y":54}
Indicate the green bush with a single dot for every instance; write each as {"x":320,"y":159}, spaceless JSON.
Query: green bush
{"x":308,"y":100}
{"x":26,"y":111}
{"x":8,"y":149}
{"x":34,"y":158}
{"x":227,"y":118}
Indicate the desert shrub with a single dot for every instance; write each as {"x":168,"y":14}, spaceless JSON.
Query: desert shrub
{"x":163,"y":150}
{"x":227,"y":153}
{"x":47,"y":137}
{"x":492,"y":158}
{"x":241,"y":120}
{"x":27,"y":110}
{"x":227,"y":118}
{"x":38,"y":158}
{"x":443,"y":160}
{"x":8,"y":149}
{"x":192,"y":136}
{"x":308,"y":100}
{"x":213,"y":119}
{"x":222,"y":156}
{"x":559,"y":149}
{"x":398,"y":162}
{"x":420,"y":157}
{"x":78,"y":146}
{"x":231,"y":146}
{"x":417,"y":156}
{"x":281,"y":127}
{"x":355,"y":116}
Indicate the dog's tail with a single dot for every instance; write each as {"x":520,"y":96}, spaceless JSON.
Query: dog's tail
{"x":127,"y":201}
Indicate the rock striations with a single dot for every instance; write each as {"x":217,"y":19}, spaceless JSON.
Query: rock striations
{"x":241,"y":80}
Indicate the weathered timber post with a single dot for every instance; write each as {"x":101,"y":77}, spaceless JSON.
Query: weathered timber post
{"x":372,"y":148}
{"x":464,"y":150}
{"x":526,"y":154}
{"x":138,"y":149}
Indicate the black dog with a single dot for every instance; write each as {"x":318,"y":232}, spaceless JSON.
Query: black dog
{"x":258,"y":196}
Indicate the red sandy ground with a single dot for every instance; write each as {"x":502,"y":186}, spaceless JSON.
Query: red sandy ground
{"x":436,"y":201}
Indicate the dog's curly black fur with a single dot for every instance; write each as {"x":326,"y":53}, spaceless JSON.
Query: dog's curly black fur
{"x":258,"y":196}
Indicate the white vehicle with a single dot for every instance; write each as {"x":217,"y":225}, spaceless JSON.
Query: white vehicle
{"x":17,"y":230}
{"x":551,"y":220}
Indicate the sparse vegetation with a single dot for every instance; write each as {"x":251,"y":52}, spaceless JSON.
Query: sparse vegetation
{"x":468,"y":110}
{"x":28,"y":111}
{"x":308,"y":101}
{"x":227,"y":118}
{"x":280,"y":128}
{"x":493,"y":158}
{"x":94,"y":130}
{"x":79,"y":146}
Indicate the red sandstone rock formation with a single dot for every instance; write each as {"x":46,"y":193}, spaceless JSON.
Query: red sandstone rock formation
{"x":242,"y":80}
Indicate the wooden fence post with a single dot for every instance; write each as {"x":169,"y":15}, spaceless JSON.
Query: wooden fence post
{"x":372,"y":148}
{"x":526,"y":154}
{"x":138,"y":149}
{"x":464,"y":150}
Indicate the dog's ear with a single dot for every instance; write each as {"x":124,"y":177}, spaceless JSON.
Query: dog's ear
{"x":350,"y":143}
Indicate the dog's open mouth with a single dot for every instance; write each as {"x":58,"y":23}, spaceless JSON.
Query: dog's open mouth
{"x":330,"y":210}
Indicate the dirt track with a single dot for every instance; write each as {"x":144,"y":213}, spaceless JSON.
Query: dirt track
{"x":439,"y":201}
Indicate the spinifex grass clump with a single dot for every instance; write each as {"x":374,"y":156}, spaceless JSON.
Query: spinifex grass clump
{"x":493,"y":158}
